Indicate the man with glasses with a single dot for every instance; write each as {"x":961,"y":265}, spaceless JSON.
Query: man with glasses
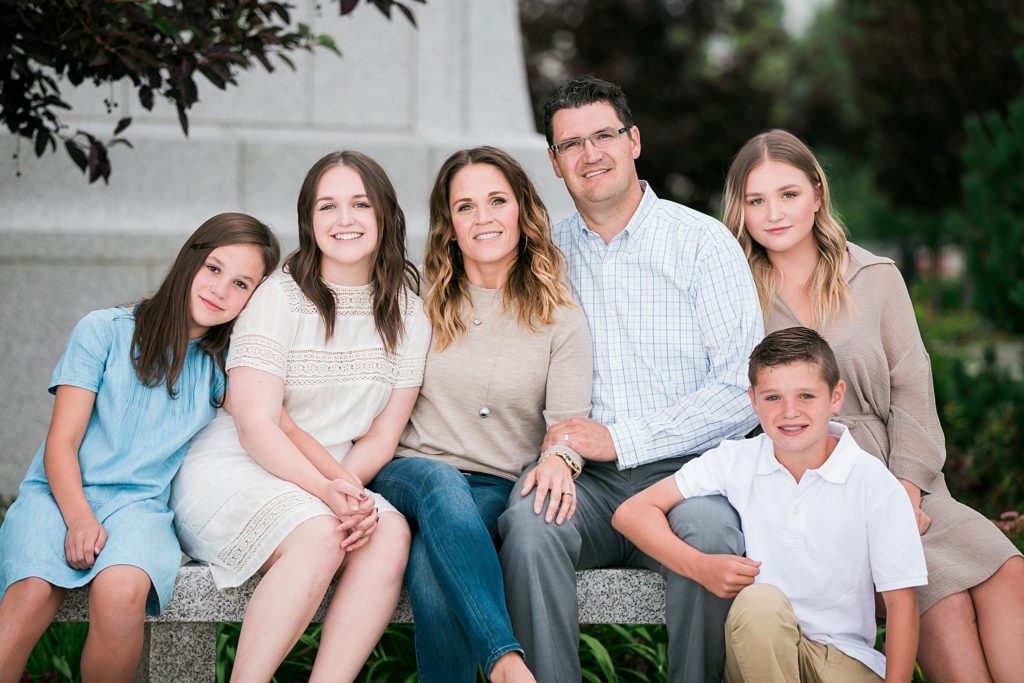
{"x":674,"y":315}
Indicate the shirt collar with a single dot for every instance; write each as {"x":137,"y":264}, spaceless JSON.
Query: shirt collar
{"x":636,"y":221}
{"x":835,"y":470}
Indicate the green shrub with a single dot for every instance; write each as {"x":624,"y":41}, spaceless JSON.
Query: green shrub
{"x":993,"y":232}
{"x":982,"y":413}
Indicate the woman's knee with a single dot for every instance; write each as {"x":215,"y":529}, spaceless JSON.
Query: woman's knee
{"x":317,"y":541}
{"x":388,"y":547}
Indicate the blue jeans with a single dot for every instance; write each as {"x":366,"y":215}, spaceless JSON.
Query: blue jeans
{"x":454,"y":577}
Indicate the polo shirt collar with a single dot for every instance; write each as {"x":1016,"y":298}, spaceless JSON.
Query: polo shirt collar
{"x":835,"y":470}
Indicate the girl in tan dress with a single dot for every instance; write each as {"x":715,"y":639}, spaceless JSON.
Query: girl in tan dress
{"x":777,"y":204}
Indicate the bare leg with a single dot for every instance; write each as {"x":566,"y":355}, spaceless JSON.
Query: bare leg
{"x":27,"y":609}
{"x":949,"y":649}
{"x":999,"y":604}
{"x":363,"y":602}
{"x":297,"y":576}
{"x":117,"y":610}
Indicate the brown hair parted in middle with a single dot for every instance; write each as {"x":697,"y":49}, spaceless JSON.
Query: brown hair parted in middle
{"x":392,"y":274}
{"x":162,"y":322}
{"x":535,"y":288}
{"x":794,"y":345}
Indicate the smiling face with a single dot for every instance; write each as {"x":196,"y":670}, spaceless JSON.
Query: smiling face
{"x":222,"y":286}
{"x":594,"y":176}
{"x":345,"y":227}
{"x":794,"y":403}
{"x":485,"y":216}
{"x":779,"y":207}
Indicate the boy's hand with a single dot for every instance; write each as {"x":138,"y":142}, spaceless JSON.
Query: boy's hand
{"x":84,"y":541}
{"x":726,"y":575}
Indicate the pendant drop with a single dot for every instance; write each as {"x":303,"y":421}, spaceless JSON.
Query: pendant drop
{"x":477,"y":321}
{"x":484,"y":411}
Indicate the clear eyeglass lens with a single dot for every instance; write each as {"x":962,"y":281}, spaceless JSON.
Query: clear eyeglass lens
{"x":600,"y":139}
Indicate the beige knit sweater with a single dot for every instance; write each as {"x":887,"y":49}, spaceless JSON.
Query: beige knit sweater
{"x":527,"y":380}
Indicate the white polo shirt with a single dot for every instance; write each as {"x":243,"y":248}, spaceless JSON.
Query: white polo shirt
{"x":829,"y":542}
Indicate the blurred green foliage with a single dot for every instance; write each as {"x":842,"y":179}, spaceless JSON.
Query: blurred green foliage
{"x":993,"y":227}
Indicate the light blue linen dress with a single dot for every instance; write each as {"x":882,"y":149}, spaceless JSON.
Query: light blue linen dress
{"x":136,"y":438}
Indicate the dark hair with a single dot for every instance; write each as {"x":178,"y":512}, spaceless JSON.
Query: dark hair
{"x":162,"y":322}
{"x":535,"y":286}
{"x":391,"y":276}
{"x":581,"y":91}
{"x":794,"y":345}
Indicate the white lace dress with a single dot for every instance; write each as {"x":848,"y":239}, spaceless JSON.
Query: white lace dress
{"x":228,"y":511}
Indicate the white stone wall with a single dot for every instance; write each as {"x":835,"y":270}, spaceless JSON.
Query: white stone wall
{"x":406,"y":96}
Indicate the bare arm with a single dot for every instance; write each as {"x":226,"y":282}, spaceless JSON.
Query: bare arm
{"x":914,"y":493}
{"x":901,"y":631}
{"x":314,"y":451}
{"x":643,"y":520}
{"x":377,"y":447}
{"x":255,"y":402}
{"x":86,"y":536}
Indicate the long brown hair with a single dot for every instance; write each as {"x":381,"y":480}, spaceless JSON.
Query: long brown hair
{"x":535,"y":288}
{"x":392,"y":274}
{"x":162,"y":322}
{"x":827,"y":286}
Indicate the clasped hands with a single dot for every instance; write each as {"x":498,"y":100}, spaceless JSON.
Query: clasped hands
{"x":356,"y":509}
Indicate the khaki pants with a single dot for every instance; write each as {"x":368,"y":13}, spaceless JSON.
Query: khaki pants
{"x":763,"y":644}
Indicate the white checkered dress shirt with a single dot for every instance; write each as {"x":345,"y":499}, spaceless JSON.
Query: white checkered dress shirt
{"x":674,"y":315}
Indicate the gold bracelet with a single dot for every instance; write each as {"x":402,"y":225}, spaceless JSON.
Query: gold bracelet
{"x":574,"y":468}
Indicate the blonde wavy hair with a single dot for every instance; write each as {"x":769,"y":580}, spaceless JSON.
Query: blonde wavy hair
{"x":535,"y":287}
{"x":827,"y":286}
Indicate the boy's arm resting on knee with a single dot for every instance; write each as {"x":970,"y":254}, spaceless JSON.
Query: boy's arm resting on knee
{"x":643,"y":520}
{"x":901,"y":631}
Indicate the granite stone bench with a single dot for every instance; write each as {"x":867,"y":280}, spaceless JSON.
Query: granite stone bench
{"x":180,"y":644}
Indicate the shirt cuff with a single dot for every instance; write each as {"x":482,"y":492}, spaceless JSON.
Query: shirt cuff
{"x":627,"y":436}
{"x":914,"y":471}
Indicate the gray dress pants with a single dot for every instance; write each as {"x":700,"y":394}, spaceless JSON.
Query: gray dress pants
{"x":540,"y":560}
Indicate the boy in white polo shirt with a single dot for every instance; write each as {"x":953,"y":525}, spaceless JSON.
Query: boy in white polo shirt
{"x":825,"y":524}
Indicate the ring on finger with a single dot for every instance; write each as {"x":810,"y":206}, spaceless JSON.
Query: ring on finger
{"x":566,"y":493}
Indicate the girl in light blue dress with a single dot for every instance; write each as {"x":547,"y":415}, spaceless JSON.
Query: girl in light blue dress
{"x":132,"y":388}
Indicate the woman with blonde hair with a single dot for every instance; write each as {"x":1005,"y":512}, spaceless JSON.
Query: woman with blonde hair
{"x":778,"y":205}
{"x":511,"y":354}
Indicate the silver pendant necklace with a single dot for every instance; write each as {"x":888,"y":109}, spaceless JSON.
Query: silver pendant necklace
{"x":478,"y":321}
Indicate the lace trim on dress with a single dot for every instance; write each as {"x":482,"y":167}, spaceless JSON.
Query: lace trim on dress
{"x":260,"y":526}
{"x":350,"y":301}
{"x":409,"y":373}
{"x":259,"y":352}
{"x":313,"y":366}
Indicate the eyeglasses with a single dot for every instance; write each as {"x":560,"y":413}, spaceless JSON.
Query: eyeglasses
{"x":601,"y":139}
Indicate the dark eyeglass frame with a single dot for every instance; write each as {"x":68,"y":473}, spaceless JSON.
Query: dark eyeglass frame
{"x":557,"y":147}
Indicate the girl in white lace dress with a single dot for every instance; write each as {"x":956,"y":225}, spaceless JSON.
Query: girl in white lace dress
{"x":338,"y":339}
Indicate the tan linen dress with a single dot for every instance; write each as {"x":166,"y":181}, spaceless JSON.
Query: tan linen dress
{"x":890,"y":410}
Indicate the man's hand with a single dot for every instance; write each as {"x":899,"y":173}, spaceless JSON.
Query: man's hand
{"x":84,"y":541}
{"x":589,"y":438}
{"x":726,"y":575}
{"x":552,"y":477}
